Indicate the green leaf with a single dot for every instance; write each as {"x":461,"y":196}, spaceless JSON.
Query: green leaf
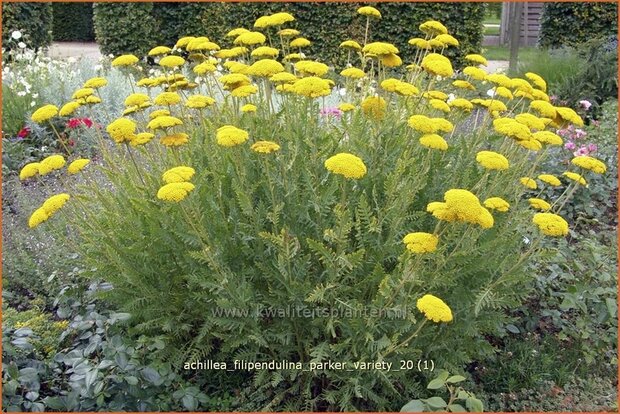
{"x":436,"y":402}
{"x":455,"y":378}
{"x":413,"y":406}
{"x":436,"y":384}
{"x":474,"y":405}
{"x":457,"y":408}
{"x":152,"y":376}
{"x":511,"y":328}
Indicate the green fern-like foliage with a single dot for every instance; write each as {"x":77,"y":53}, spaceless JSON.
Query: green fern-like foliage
{"x":268,"y":233}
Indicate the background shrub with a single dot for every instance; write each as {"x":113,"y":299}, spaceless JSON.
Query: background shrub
{"x":73,"y":22}
{"x":125,"y":27}
{"x":166,"y":22}
{"x":576,"y":22}
{"x":32,"y":19}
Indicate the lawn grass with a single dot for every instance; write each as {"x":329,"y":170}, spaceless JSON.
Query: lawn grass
{"x":503,"y":52}
{"x":491,"y":20}
{"x":491,"y":31}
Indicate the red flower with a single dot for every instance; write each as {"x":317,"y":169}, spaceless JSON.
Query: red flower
{"x":71,"y":142}
{"x":76,"y":122}
{"x":23,"y":133}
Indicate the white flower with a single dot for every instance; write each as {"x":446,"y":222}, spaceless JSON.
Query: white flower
{"x":451,"y":97}
{"x":491,"y":92}
{"x":21,"y":45}
{"x":21,"y":93}
{"x":97,"y":68}
{"x":35,"y":96}
{"x":342,"y":91}
{"x":16,"y":35}
{"x":71,"y":60}
{"x":33,"y":103}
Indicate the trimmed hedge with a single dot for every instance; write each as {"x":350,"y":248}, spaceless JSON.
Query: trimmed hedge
{"x":569,"y":23}
{"x":73,"y":22}
{"x":125,"y":27}
{"x":33,"y":20}
{"x":326,"y":24}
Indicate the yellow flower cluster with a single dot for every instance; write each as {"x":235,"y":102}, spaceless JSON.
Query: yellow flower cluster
{"x":44,"y":114}
{"x":590,"y":163}
{"x":347,"y":165}
{"x":29,"y":170}
{"x":496,"y":203}
{"x":125,"y":60}
{"x":434,"y":141}
{"x":420,"y":242}
{"x":399,"y":87}
{"x":48,"y":209}
{"x":122,"y":130}
{"x":539,"y":204}
{"x":178,"y":174}
{"x":311,"y":87}
{"x":551,"y":224}
{"x":426,"y":125}
{"x":265,"y":147}
{"x":51,"y":163}
{"x":177,"y":185}
{"x":175,"y":192}
{"x":434,"y":309}
{"x":575,"y":177}
{"x":230,"y":136}
{"x":492,"y":160}
{"x":353,"y":73}
{"x":77,"y":165}
{"x":550,"y":179}
{"x":369,"y":11}
{"x":199,"y":101}
{"x":461,"y":205}
{"x":374,"y":107}
{"x":265,"y":68}
{"x":437,"y":64}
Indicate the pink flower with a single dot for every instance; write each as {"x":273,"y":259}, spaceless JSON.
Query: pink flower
{"x":580,"y":133}
{"x":581,"y":151}
{"x":592,"y":147}
{"x":585,"y":104}
{"x":335,"y":112}
{"x":570,"y":146}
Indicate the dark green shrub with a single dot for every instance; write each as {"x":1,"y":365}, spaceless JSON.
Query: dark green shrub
{"x":399,"y":23}
{"x":166,"y":22}
{"x":176,"y":20}
{"x":34,"y":20}
{"x":125,"y":27}
{"x":73,"y":22}
{"x":576,"y":22}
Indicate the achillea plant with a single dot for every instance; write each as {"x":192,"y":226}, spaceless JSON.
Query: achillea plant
{"x":251,"y":221}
